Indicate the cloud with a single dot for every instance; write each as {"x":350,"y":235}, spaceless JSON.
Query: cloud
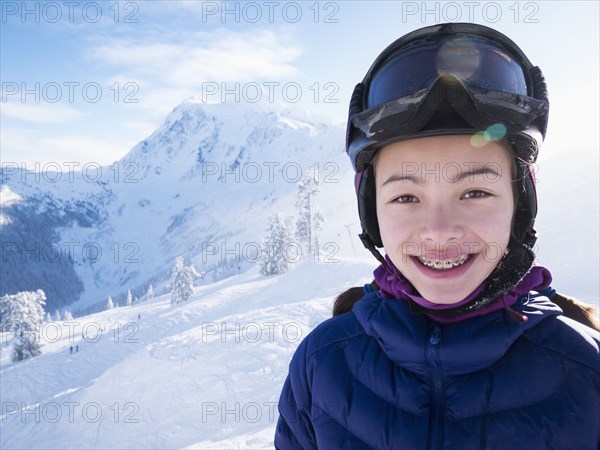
{"x":22,"y":146}
{"x":40,"y":112}
{"x":187,"y":60}
{"x":143,"y":129}
{"x":155,"y":66}
{"x":83,"y":148}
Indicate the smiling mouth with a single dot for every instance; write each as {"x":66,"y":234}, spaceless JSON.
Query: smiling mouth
{"x":446,"y":264}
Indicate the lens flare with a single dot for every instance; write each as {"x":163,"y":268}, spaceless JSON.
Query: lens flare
{"x":478,"y":140}
{"x":458,"y":57}
{"x":494,"y":132}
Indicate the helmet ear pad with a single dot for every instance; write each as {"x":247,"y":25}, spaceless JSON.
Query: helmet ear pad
{"x":526,"y":208}
{"x":367,"y":204}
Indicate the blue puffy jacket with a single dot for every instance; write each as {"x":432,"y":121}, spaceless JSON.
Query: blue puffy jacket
{"x":380,"y":377}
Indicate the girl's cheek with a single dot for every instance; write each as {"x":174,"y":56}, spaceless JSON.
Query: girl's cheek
{"x":492,"y":227}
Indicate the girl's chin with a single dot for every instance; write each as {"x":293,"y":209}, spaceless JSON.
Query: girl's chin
{"x":442,"y":298}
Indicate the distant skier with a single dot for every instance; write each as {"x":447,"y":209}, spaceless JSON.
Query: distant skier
{"x":71,"y":349}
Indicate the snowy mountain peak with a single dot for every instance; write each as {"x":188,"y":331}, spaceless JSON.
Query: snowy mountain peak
{"x":207,"y":178}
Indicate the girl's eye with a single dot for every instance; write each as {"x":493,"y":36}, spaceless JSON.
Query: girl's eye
{"x":406,"y":199}
{"x":476,"y":194}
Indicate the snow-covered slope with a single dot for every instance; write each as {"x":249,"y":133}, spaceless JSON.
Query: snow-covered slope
{"x":204,"y":374}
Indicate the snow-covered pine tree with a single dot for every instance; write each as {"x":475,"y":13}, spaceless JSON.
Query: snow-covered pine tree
{"x":150,"y":293}
{"x":26,"y":315}
{"x":129,"y":298}
{"x":68,"y":315}
{"x":57,"y":316}
{"x":110,"y":304}
{"x":182,"y":281}
{"x":5,"y":312}
{"x":278,"y":246}
{"x":194,"y":273}
{"x":318,"y":220}
{"x":309,"y":218}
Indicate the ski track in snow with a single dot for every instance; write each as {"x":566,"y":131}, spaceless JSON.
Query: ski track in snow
{"x":205,"y":373}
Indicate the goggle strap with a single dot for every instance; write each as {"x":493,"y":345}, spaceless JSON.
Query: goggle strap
{"x":356,"y":106}
{"x":540,"y":92}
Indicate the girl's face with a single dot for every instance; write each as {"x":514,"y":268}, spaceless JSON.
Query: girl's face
{"x":445,"y":210}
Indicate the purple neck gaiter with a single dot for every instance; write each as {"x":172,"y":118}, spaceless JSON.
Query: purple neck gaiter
{"x":395,"y":286}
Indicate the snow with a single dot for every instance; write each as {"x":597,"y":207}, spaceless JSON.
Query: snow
{"x":7,"y":198}
{"x":205,"y":373}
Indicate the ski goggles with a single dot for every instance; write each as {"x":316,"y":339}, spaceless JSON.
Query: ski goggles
{"x":474,"y":59}
{"x":461,"y":81}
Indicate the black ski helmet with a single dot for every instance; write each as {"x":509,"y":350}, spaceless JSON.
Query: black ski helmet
{"x":455,"y":78}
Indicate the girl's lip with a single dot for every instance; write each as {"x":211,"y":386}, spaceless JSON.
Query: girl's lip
{"x":444,"y":274}
{"x":440,"y":257}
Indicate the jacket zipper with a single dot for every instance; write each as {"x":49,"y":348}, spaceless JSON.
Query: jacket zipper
{"x":436,"y":420}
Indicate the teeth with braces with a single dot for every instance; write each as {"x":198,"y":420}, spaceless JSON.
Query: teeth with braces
{"x":443,"y":265}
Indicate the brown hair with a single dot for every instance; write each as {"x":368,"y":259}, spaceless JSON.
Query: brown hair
{"x":572,"y":308}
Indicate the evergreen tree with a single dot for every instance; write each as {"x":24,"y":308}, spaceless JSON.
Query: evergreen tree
{"x":26,"y":314}
{"x":182,"y":281}
{"x":110,"y":304}
{"x":68,"y":315}
{"x":150,"y":293}
{"x":57,"y":316}
{"x":5,"y":313}
{"x":309,"y":219}
{"x":318,"y":220}
{"x":194,"y":273}
{"x":129,"y":298}
{"x":275,"y":256}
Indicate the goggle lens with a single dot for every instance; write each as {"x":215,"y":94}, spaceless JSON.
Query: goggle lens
{"x":474,"y":60}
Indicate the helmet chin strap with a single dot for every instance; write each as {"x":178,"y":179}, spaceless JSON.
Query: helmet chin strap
{"x":369,"y":245}
{"x":514,"y":265}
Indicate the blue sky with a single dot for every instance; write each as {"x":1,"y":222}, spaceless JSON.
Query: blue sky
{"x":85,"y":81}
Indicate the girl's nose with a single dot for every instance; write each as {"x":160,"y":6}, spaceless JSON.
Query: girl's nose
{"x":441,"y":225}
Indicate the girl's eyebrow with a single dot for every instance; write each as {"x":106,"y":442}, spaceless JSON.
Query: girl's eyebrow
{"x":472,"y":172}
{"x":402,"y":178}
{"x":485,"y":170}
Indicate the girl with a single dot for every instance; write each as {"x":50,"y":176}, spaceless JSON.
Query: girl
{"x":456,"y":343}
